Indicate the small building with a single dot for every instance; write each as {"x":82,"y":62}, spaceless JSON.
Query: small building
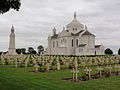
{"x":75,"y":39}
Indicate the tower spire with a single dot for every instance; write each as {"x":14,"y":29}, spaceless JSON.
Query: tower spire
{"x":12,"y":50}
{"x":12,"y":29}
{"x":75,"y":14}
{"x":54,"y":31}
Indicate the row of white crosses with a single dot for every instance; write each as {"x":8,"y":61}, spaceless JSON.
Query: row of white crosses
{"x":75,"y":71}
{"x":117,"y":67}
{"x":99,"y":69}
{"x":2,"y":60}
{"x":48,"y":66}
{"x":87,"y":59}
{"x":109,"y":69}
{"x":45,"y":62}
{"x":87,"y":71}
{"x":58,"y":64}
{"x":36,"y":67}
{"x":66,"y":60}
{"x":26,"y":62}
{"x":100,"y":60}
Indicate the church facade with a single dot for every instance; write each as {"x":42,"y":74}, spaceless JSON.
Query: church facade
{"x":75,"y":39}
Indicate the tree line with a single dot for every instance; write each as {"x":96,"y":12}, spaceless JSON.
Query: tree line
{"x":30,"y":50}
{"x":40,"y":50}
{"x":110,"y":52}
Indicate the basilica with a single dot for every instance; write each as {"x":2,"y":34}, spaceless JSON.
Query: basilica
{"x":74,"y":39}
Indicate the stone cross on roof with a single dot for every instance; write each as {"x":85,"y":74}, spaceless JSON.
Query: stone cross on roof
{"x":75,"y":14}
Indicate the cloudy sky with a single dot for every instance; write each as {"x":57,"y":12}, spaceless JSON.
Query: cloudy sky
{"x":36,"y":18}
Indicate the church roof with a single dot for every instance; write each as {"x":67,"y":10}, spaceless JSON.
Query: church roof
{"x":81,"y":45}
{"x":88,"y":33}
{"x":97,"y":46}
{"x":55,"y":36}
{"x":72,"y":34}
{"x":75,"y":22}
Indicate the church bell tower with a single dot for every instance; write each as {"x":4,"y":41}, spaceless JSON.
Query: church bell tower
{"x":12,"y":49}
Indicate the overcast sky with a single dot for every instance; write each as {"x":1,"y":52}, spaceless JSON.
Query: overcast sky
{"x":36,"y":19}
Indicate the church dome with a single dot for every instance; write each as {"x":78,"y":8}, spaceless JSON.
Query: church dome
{"x":75,"y":23}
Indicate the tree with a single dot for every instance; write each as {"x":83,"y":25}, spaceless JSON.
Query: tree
{"x":23,"y":50}
{"x":119,"y":51}
{"x":18,"y":51}
{"x":1,"y":53}
{"x":40,"y":49}
{"x":34,"y":52}
{"x":6,"y":5}
{"x":5,"y":52}
{"x":108,"y":51}
{"x":30,"y":50}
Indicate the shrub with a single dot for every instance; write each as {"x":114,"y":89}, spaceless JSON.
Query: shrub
{"x":84,"y":78}
{"x":108,"y":51}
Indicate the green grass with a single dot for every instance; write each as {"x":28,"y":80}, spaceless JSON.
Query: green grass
{"x":23,"y":79}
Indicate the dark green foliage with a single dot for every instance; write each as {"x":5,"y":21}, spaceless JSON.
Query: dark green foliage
{"x":1,"y":53}
{"x":96,"y":76}
{"x":23,"y":50}
{"x":107,"y":74}
{"x":40,"y":49}
{"x":34,"y":52}
{"x":70,"y":66}
{"x":31,"y":50}
{"x":6,"y":5}
{"x":5,"y":52}
{"x":119,"y":51}
{"x":108,"y":51}
{"x":84,"y":78}
{"x":18,"y":51}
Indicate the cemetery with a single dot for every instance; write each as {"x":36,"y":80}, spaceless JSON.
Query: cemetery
{"x":75,"y":57}
{"x":65,"y":69}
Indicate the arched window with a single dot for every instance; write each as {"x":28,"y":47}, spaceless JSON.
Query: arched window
{"x":76,"y":42}
{"x":73,"y":29}
{"x":72,"y":42}
{"x":57,"y":44}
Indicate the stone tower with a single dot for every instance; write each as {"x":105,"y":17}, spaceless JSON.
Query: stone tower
{"x":54,"y":31}
{"x":12,"y":49}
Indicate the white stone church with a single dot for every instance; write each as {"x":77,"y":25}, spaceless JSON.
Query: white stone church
{"x":75,"y":39}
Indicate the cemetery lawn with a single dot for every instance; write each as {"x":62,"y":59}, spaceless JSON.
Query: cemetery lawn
{"x":24,"y":79}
